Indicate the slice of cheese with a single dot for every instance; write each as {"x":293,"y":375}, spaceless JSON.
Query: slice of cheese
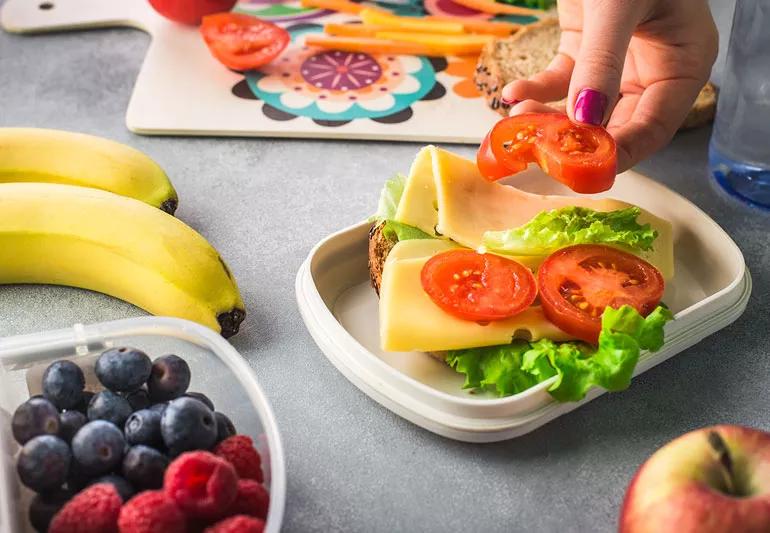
{"x":409,"y":320}
{"x":451,"y":197}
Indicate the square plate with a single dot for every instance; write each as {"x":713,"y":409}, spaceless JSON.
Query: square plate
{"x":709,"y":291}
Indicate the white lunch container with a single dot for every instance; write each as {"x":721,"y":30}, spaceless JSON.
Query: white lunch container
{"x":217,"y":371}
{"x":709,"y":291}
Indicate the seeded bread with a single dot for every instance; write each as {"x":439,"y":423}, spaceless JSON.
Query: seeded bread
{"x":530,"y":50}
{"x":379,"y":248}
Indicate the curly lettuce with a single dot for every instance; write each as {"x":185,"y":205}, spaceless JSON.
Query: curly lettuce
{"x":551,"y":230}
{"x":387,"y":206}
{"x":515,"y":367}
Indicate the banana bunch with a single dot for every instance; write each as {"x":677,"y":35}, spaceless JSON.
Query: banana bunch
{"x":57,"y":227}
{"x":53,"y":156}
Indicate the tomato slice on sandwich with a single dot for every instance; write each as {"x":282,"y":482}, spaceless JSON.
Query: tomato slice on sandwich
{"x":577,"y":283}
{"x":479,"y":287}
{"x":582,"y":157}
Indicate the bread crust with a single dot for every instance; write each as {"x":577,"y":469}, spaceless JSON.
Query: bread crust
{"x":379,"y":248}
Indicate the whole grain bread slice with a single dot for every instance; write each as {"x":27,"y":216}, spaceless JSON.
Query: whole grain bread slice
{"x":530,"y":50}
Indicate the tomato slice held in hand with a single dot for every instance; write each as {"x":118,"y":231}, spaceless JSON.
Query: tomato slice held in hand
{"x":242,"y":42}
{"x":582,"y":157}
{"x":577,"y":283}
{"x":480,"y":287}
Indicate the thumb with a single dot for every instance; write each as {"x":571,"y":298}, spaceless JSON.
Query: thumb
{"x":595,"y":84}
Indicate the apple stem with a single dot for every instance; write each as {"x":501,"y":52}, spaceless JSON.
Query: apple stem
{"x":719,"y":446}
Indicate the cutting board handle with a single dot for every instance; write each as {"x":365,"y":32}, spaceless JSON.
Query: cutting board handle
{"x":30,"y":16}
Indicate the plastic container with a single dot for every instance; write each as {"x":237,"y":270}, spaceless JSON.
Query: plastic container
{"x":709,"y":291}
{"x":217,"y":370}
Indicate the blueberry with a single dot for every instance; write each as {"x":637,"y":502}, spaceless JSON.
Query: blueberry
{"x":143,"y":427}
{"x":123,"y":369}
{"x":63,"y":383}
{"x":124,"y":488}
{"x":85,"y":399}
{"x":225,"y":426}
{"x":139,"y":399}
{"x":36,"y":416}
{"x":71,"y":422}
{"x":98,"y":447}
{"x":144,"y":467}
{"x":44,"y":462}
{"x":159,"y":408}
{"x":201,"y":398}
{"x":169,"y":379}
{"x":188,"y":424}
{"x":44,"y":506}
{"x":78,"y":478}
{"x":107,"y":405}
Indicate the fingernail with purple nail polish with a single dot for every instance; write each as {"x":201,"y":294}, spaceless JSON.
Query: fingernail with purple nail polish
{"x":589,"y":107}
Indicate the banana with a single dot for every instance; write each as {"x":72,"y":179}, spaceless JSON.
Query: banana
{"x":97,"y":240}
{"x":53,"y":156}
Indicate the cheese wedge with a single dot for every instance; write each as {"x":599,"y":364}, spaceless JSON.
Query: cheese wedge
{"x":450,"y":197}
{"x":409,"y":320}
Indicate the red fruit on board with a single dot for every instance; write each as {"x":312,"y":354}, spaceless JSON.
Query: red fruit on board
{"x":93,"y":510}
{"x":201,"y":484}
{"x":190,"y":11}
{"x":239,"y":451}
{"x":238,"y":524}
{"x":151,"y":511}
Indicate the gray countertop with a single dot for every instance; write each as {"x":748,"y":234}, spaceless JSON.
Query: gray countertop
{"x":352,"y":464}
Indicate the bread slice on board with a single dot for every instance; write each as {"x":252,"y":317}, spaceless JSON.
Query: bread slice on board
{"x":530,"y":50}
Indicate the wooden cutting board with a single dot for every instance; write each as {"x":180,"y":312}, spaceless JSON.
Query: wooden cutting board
{"x":182,"y":90}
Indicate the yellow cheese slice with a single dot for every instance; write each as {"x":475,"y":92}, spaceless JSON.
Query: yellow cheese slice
{"x":461,"y":205}
{"x":417,"y":206}
{"x":409,"y":320}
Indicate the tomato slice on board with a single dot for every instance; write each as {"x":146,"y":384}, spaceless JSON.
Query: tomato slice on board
{"x":578,"y":282}
{"x":480,"y":287}
{"x":582,"y":157}
{"x":243,"y":42}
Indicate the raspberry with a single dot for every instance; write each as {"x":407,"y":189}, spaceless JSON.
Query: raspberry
{"x":240,"y":452}
{"x":238,"y":524}
{"x":252,"y":499}
{"x":151,"y":511}
{"x":94,"y":510}
{"x":201,"y":484}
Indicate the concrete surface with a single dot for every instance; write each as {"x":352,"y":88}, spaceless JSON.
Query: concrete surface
{"x":353,"y":465}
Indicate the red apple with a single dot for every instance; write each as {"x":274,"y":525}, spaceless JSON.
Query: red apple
{"x":190,"y":11}
{"x":715,"y":479}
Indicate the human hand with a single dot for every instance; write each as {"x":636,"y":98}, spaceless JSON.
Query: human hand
{"x":634,"y":65}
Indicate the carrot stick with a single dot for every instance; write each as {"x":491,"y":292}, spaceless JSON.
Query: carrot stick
{"x":353,"y":30}
{"x":499,"y":29}
{"x":495,"y":8}
{"x":384,"y":46}
{"x":475,"y":42}
{"x":341,"y":6}
{"x":378,"y":18}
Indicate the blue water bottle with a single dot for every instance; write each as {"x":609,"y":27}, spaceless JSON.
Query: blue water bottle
{"x":739,"y":153}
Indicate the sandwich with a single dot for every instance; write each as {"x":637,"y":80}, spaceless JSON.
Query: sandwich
{"x":511,"y":288}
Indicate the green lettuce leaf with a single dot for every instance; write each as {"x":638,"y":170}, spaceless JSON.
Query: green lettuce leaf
{"x":512,"y":368}
{"x":390,"y":196}
{"x":494,"y":368}
{"x":386,"y":212}
{"x":551,"y":230}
